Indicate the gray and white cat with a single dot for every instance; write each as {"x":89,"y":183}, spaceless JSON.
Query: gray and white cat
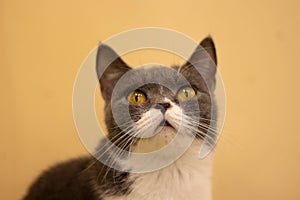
{"x":177,"y":107}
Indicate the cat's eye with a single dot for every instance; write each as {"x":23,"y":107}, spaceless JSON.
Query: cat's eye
{"x":137,"y":97}
{"x":186,"y":93}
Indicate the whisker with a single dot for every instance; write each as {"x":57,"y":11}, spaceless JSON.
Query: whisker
{"x":111,"y":140}
{"x":190,"y":126}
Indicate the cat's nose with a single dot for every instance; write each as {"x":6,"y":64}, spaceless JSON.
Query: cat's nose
{"x":162,"y":106}
{"x":165,"y":105}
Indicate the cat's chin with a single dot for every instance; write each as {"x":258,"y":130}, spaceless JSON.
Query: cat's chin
{"x":162,"y":137}
{"x":167,"y":129}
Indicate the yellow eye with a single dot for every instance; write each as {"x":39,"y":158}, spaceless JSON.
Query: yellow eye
{"x":137,"y":97}
{"x":186,"y":93}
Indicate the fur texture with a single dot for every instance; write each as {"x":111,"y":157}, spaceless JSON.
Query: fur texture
{"x":187,"y":178}
{"x":148,"y":127}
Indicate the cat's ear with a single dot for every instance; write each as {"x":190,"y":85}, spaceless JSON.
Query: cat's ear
{"x":110,"y":67}
{"x":204,"y":60}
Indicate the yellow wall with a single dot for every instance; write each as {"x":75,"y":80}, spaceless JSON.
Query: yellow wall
{"x":43,"y":44}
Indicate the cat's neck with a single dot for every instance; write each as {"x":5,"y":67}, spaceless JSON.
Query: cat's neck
{"x":187,"y":178}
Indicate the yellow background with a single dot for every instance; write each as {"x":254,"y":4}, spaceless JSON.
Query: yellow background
{"x":43,"y":44}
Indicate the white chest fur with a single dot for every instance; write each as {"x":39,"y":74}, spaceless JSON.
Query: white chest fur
{"x":189,"y":178}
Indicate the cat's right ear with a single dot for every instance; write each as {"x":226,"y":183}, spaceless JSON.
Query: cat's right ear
{"x":110,"y":67}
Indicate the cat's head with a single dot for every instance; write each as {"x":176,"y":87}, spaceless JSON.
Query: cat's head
{"x":146,"y":107}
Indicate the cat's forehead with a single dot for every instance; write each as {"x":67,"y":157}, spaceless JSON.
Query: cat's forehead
{"x":158,"y":73}
{"x":154,"y":77}
{"x":157,"y":91}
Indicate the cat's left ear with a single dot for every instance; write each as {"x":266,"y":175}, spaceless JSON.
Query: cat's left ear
{"x":110,"y":68}
{"x":204,"y":60}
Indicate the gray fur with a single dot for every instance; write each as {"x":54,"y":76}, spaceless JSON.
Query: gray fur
{"x":89,"y":179}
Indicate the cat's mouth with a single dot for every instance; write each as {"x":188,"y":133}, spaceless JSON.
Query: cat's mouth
{"x":165,"y":123}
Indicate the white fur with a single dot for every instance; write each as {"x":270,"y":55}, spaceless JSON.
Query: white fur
{"x":186,"y":179}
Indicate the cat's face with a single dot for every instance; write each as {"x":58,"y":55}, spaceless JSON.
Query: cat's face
{"x":146,"y":107}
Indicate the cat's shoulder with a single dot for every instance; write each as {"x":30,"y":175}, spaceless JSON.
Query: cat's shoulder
{"x":65,"y":180}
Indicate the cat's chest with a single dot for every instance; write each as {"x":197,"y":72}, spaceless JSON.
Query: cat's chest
{"x":188,"y":178}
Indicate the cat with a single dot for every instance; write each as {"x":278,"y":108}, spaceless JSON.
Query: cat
{"x":157,"y":115}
